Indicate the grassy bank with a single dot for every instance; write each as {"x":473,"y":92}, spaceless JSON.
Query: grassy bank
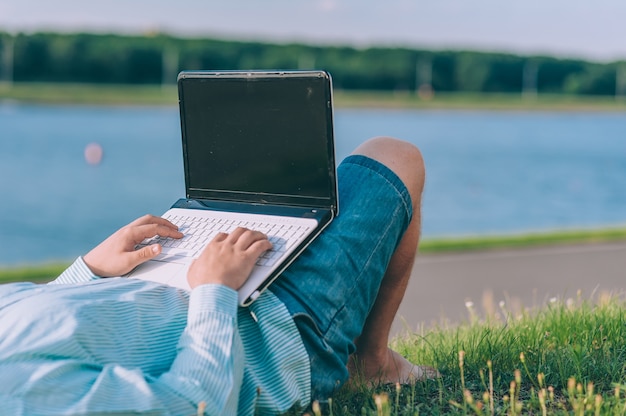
{"x":477,"y":101}
{"x":566,"y":358}
{"x":44,"y":272}
{"x":525,"y":240}
{"x":158,"y":95}
{"x":32,"y":273}
{"x":102,"y":94}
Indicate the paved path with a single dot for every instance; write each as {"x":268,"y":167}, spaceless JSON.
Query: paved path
{"x":441,"y":284}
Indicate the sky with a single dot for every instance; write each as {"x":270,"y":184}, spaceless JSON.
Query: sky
{"x":588,"y":29}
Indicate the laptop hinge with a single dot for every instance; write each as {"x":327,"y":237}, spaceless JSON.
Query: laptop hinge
{"x":321,"y":214}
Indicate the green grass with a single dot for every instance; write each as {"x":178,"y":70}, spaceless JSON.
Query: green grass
{"x":32,"y":273}
{"x":526,"y":240}
{"x":565,"y":358}
{"x":478,"y":101}
{"x":105,"y":94}
{"x":97,"y":94}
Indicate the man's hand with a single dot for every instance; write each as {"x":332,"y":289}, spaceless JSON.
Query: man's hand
{"x":117,"y":256}
{"x":228,"y":259}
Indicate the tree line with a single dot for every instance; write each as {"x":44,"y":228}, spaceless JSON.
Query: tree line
{"x":157,"y":58}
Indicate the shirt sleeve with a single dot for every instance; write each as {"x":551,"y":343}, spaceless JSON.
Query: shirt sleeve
{"x":206,"y":373}
{"x":208,"y":369}
{"x":78,"y":272}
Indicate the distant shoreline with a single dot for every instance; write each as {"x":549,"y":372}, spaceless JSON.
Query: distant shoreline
{"x":477,"y":244}
{"x":155,"y":95}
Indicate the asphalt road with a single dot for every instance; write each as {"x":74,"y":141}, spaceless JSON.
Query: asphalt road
{"x":442,"y":284}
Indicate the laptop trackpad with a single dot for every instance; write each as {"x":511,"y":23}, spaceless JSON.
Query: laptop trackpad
{"x":173,"y":274}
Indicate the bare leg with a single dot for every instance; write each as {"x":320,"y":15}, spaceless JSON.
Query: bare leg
{"x":374,"y":361}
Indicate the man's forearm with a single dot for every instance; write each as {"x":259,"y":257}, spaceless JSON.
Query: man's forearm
{"x":209,"y":365}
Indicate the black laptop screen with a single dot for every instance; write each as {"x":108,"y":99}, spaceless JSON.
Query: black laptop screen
{"x":251,"y":137}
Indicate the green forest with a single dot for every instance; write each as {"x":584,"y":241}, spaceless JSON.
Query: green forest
{"x":157,"y":58}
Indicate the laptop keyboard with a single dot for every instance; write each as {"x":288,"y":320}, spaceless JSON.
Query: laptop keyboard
{"x":199,"y":231}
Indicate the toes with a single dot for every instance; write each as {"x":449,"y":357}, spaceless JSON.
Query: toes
{"x":421,"y":372}
{"x":407,"y":372}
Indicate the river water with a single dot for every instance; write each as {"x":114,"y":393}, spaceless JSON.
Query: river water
{"x":487,"y":172}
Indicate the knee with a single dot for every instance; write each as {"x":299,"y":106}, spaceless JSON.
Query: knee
{"x":402,"y":157}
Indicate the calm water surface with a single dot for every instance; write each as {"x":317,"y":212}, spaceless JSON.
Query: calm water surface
{"x":488,"y":172}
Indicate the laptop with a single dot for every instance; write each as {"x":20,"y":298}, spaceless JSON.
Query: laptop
{"x":258,"y":148}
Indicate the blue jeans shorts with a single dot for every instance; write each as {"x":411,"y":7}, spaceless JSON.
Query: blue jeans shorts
{"x":331,"y":287}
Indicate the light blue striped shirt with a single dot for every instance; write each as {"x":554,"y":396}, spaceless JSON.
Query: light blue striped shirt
{"x":85,"y":345}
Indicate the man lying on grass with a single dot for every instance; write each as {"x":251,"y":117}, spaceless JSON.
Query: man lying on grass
{"x":93,"y":343}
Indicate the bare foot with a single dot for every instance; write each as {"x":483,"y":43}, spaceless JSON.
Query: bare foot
{"x":391,"y":367}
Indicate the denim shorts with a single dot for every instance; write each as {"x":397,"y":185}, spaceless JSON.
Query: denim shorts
{"x":331,"y":287}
